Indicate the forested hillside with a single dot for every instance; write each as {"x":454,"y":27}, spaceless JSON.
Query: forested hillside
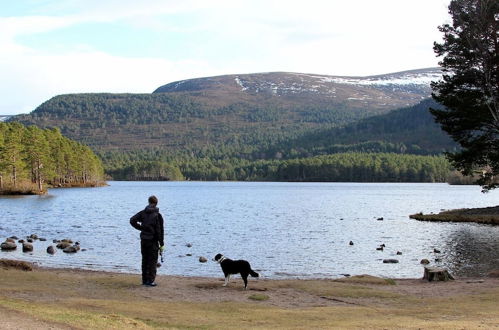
{"x":31,"y":158}
{"x":409,"y":130}
{"x":246,"y":127}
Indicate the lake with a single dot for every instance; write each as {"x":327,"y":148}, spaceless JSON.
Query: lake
{"x":286,"y":230}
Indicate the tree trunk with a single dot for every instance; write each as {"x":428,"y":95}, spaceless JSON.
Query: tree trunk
{"x":39,"y":176}
{"x":436,"y":274}
{"x":14,"y":176}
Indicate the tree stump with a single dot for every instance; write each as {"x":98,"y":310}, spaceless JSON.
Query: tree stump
{"x":436,"y":274}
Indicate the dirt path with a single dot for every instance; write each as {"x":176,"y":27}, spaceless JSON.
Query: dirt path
{"x":14,"y":320}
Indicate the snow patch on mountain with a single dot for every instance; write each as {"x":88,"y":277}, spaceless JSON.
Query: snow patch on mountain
{"x":239,"y":82}
{"x":385,"y":80}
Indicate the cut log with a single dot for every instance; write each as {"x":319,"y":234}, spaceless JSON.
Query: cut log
{"x":436,"y":274}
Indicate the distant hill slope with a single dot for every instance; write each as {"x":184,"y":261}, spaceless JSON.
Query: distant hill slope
{"x":407,"y":130}
{"x":239,"y":112}
{"x":387,"y":91}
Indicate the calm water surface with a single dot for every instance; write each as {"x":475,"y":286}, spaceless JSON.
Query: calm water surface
{"x":284,"y":229}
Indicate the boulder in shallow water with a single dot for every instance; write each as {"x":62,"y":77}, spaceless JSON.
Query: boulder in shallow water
{"x":8,"y":246}
{"x":51,"y":249}
{"x":27,"y":247}
{"x":424,"y":261}
{"x":33,"y":236}
{"x":70,"y":249}
{"x":390,"y":261}
{"x":10,"y":239}
{"x":203,"y":259}
{"x":63,"y":245}
{"x":41,"y":239}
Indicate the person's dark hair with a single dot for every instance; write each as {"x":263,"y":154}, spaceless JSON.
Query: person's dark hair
{"x":153,"y":200}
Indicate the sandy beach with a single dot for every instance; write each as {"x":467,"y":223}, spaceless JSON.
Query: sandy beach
{"x":79,"y":299}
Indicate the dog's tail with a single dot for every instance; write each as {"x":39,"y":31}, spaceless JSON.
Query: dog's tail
{"x":253,"y":273}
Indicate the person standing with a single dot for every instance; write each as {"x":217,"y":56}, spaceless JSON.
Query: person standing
{"x":150,"y":223}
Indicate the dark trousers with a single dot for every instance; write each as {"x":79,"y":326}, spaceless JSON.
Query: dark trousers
{"x":149,"y":249}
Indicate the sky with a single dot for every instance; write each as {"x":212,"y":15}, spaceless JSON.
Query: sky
{"x":53,"y":47}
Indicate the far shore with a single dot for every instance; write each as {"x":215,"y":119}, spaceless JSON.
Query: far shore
{"x":485,"y":215}
{"x":71,"y":298}
{"x":32,"y":189}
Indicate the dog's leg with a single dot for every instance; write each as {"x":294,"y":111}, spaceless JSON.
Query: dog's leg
{"x":227,"y":279}
{"x":245,"y":279}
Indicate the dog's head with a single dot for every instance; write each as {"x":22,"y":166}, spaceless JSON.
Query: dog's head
{"x":218,"y":258}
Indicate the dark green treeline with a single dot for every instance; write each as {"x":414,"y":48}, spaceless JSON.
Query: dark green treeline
{"x":31,"y":158}
{"x":343,"y":167}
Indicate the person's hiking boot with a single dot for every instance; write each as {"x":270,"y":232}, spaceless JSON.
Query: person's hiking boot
{"x":150,"y":284}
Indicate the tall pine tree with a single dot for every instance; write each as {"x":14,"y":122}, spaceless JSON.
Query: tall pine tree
{"x":470,"y":87}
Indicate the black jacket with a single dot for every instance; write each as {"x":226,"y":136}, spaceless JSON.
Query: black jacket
{"x":150,"y":223}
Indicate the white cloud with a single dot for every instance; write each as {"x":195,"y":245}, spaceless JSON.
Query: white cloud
{"x":356,"y":37}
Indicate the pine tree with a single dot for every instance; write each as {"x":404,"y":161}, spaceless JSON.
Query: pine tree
{"x":470,"y":87}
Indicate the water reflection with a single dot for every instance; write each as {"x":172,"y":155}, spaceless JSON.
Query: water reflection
{"x":472,"y":250}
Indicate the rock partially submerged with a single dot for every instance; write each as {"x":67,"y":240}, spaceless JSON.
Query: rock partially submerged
{"x":51,"y":249}
{"x":8,"y":246}
{"x":27,"y":247}
{"x":71,"y":249}
{"x":63,"y":245}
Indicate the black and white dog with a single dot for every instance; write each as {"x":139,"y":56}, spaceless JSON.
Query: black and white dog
{"x":230,"y":267}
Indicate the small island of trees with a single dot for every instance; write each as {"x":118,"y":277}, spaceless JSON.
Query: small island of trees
{"x":32,"y":159}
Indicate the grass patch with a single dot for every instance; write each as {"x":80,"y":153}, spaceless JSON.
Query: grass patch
{"x":16,"y":264}
{"x":486,"y":215}
{"x":115,"y":301}
{"x":259,"y":297}
{"x":334,"y":288}
{"x":366,"y":279}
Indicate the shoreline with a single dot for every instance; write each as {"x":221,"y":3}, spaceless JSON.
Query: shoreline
{"x":482,"y":215}
{"x":61,"y":298}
